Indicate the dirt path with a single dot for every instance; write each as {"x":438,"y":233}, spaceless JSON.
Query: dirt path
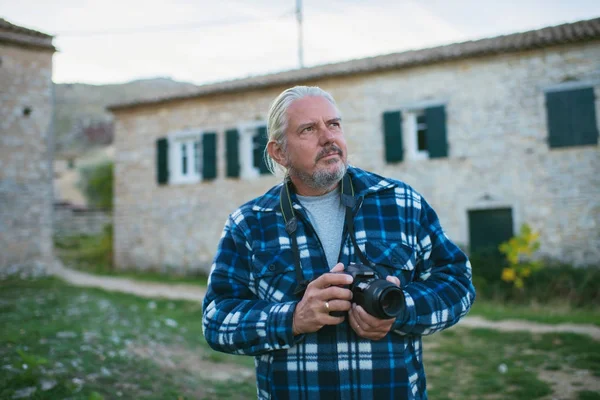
{"x":195,"y":293}
{"x":126,"y":285}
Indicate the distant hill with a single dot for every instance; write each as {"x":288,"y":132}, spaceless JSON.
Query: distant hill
{"x":82,"y":122}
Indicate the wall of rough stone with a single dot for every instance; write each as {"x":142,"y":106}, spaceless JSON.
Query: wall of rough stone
{"x":498,"y":156}
{"x":25,"y":160}
{"x":70,"y":221}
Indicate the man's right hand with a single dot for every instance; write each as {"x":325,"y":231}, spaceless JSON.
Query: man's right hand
{"x":322,"y":296}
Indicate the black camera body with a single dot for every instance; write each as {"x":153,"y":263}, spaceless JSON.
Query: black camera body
{"x":380,"y":298}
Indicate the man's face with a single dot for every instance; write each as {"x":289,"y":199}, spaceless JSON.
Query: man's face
{"x":316,"y":154}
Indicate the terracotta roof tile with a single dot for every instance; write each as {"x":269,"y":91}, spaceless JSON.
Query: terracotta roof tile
{"x":575,"y":32}
{"x":18,"y":35}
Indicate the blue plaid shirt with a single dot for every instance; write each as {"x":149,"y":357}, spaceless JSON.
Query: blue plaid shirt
{"x":250,"y":302}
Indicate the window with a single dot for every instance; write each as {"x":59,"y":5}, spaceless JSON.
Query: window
{"x":186,"y":157}
{"x":424,"y":135}
{"x":245,"y":147}
{"x":186,"y":160}
{"x":571,"y":115}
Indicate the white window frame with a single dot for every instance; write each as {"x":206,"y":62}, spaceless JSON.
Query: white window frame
{"x":247,"y":130}
{"x":192,"y":138}
{"x":410,"y":128}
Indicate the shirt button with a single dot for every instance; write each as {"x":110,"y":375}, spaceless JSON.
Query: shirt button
{"x":272,"y":267}
{"x":395,"y":260}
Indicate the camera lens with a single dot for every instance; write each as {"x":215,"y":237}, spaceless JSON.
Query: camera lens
{"x":383,"y":299}
{"x":392,"y":301}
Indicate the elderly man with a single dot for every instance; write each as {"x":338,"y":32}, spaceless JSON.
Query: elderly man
{"x":280,"y":287}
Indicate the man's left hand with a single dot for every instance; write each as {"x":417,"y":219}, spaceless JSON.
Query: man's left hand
{"x":368,"y":326}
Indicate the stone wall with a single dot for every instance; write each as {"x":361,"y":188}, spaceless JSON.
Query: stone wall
{"x":498,"y":156}
{"x":71,"y":221}
{"x":25,"y":159}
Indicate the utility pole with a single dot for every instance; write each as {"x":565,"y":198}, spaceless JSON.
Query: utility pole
{"x":300,"y":45}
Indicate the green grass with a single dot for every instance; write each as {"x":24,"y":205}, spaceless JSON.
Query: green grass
{"x":86,"y":344}
{"x":543,"y":313}
{"x":89,"y":344}
{"x":92,"y":254}
{"x":484,"y":364}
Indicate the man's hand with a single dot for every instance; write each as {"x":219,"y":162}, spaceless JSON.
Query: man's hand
{"x":322,"y":296}
{"x":368,"y":326}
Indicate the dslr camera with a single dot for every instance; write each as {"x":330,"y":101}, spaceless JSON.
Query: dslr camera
{"x":380,"y":298}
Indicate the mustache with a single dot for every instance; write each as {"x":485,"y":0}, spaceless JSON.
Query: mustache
{"x":332,"y":149}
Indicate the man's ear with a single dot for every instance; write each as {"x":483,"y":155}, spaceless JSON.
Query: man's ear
{"x":276,"y":152}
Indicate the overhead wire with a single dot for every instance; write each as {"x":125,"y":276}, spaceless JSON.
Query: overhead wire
{"x":173,"y":27}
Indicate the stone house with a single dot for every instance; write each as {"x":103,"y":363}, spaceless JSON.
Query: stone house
{"x":494,"y":133}
{"x":26,"y":114}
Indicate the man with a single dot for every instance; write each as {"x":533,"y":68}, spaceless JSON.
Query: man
{"x":276,"y":290}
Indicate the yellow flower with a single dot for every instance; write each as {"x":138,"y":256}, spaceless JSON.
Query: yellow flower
{"x":508,"y":275}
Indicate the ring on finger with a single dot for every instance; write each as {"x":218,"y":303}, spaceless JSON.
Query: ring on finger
{"x":327,"y":306}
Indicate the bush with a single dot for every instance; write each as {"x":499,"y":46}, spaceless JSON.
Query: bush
{"x":576,"y":287}
{"x":87,"y":252}
{"x":97,"y":184}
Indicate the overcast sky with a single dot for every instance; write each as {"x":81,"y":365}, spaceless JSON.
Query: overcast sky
{"x":111,"y":41}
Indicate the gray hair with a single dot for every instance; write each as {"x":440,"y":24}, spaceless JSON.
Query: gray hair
{"x":277,"y":120}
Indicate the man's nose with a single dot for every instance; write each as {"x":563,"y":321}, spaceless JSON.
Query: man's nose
{"x":326,"y":135}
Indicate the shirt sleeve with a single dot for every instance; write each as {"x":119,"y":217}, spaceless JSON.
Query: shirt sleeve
{"x":442,"y":291}
{"x":234,"y":319}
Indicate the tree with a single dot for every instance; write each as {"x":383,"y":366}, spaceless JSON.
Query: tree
{"x":97,"y":184}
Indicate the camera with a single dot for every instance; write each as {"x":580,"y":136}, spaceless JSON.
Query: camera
{"x":380,"y":298}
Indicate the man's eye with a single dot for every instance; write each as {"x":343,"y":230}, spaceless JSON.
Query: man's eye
{"x":308,"y":129}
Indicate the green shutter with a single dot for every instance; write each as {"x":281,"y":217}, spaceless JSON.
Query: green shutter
{"x":232,"y":151}
{"x":162,"y":161}
{"x":209,"y":156}
{"x":437,"y":144}
{"x":392,"y":131}
{"x":559,"y":120}
{"x":259,"y":143}
{"x":571,"y":116}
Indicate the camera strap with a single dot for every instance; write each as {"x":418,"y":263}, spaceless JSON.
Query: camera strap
{"x":291,"y":225}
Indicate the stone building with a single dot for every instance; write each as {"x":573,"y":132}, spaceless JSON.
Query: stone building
{"x":26,"y":113}
{"x":495,"y":133}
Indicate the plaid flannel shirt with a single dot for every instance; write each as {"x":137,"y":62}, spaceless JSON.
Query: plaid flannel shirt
{"x":250,"y":302}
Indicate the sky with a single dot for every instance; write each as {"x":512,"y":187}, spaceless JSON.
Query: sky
{"x":204,"y":41}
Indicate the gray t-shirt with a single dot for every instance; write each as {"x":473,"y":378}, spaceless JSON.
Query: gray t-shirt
{"x":326,"y":214}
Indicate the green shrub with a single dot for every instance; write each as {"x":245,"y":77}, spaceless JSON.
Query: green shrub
{"x":519,"y":251}
{"x":564,"y":284}
{"x":87,"y":252}
{"x":97,"y":184}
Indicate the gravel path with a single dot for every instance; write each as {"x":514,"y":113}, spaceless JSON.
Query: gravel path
{"x":195,"y":293}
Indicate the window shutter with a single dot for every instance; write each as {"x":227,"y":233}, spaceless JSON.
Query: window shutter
{"x":583,"y":117}
{"x":571,"y":118}
{"x":162,"y":161}
{"x":232,"y":138}
{"x":392,"y":130}
{"x":558,"y":115}
{"x":260,"y":142}
{"x":437,"y":143}
{"x":209,"y":156}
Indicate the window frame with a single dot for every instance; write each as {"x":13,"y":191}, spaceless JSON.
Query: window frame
{"x":410,"y":127}
{"x":192,"y":138}
{"x":246,"y":132}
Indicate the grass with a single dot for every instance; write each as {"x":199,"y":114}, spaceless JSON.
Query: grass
{"x":81,"y":343}
{"x":92,"y":254}
{"x":61,"y":341}
{"x":556,"y":313}
{"x":484,"y":364}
